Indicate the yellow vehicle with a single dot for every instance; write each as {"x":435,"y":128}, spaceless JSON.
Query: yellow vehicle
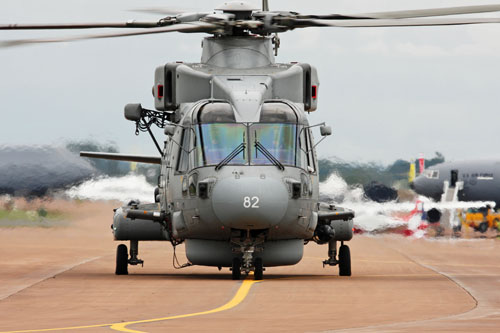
{"x":480,"y":218}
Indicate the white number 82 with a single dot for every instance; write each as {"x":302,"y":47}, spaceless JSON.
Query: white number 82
{"x":252,"y":202}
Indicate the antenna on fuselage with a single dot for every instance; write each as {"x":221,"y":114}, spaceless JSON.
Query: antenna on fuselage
{"x":265,"y":5}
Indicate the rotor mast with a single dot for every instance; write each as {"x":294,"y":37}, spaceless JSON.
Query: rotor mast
{"x":239,"y":52}
{"x":240,"y":49}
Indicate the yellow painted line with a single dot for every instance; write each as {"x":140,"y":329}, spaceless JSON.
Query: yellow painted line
{"x":240,"y":295}
{"x":237,"y":299}
{"x":60,"y":328}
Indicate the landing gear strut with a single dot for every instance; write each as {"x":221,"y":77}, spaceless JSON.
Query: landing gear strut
{"x":134,"y":251}
{"x":344,"y":258}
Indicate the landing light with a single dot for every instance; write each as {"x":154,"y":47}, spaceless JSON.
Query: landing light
{"x":133,"y":112}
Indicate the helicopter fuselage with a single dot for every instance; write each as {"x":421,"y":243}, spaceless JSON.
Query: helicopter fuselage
{"x":239,"y":173}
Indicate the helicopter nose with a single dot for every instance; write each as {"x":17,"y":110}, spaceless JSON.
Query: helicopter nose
{"x":250,"y":203}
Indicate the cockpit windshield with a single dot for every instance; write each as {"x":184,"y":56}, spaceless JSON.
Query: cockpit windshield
{"x":278,"y":139}
{"x":217,"y":141}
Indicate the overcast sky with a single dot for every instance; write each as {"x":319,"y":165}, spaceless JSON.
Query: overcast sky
{"x":388,"y":93}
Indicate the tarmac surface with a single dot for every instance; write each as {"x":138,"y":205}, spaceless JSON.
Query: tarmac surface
{"x":62,"y":279}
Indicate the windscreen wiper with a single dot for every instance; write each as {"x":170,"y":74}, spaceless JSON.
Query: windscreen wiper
{"x":231,"y":156}
{"x":268,"y":155}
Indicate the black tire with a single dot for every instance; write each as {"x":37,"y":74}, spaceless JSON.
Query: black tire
{"x":157,"y":192}
{"x":483,"y":227}
{"x":236,"y":268}
{"x":344,"y":261}
{"x":259,"y":269}
{"x":121,"y":260}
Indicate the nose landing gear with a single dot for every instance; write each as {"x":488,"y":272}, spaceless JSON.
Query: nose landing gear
{"x":257,"y":268}
{"x":247,"y":245}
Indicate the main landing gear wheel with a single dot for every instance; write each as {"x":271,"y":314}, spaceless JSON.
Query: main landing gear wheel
{"x":344,"y":261}
{"x":236,"y":268}
{"x":121,"y":260}
{"x":483,"y":227}
{"x":259,"y":269}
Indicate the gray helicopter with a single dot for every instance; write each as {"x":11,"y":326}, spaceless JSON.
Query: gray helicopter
{"x":239,"y":172}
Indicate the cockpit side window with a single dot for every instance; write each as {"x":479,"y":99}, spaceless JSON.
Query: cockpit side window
{"x":310,"y":155}
{"x":302,"y":155}
{"x":183,"y":161}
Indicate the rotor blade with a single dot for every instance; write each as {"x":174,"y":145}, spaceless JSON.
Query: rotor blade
{"x":392,"y":23}
{"x":185,"y":27}
{"x":128,"y":24}
{"x":160,"y":10}
{"x":416,"y":13}
{"x":181,"y":16}
{"x":122,"y":157}
{"x":434,"y":12}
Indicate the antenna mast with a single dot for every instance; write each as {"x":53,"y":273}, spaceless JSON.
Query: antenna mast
{"x":265,"y":6}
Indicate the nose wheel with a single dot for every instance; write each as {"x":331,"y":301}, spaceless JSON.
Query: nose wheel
{"x":258,"y":273}
{"x":236,"y":269}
